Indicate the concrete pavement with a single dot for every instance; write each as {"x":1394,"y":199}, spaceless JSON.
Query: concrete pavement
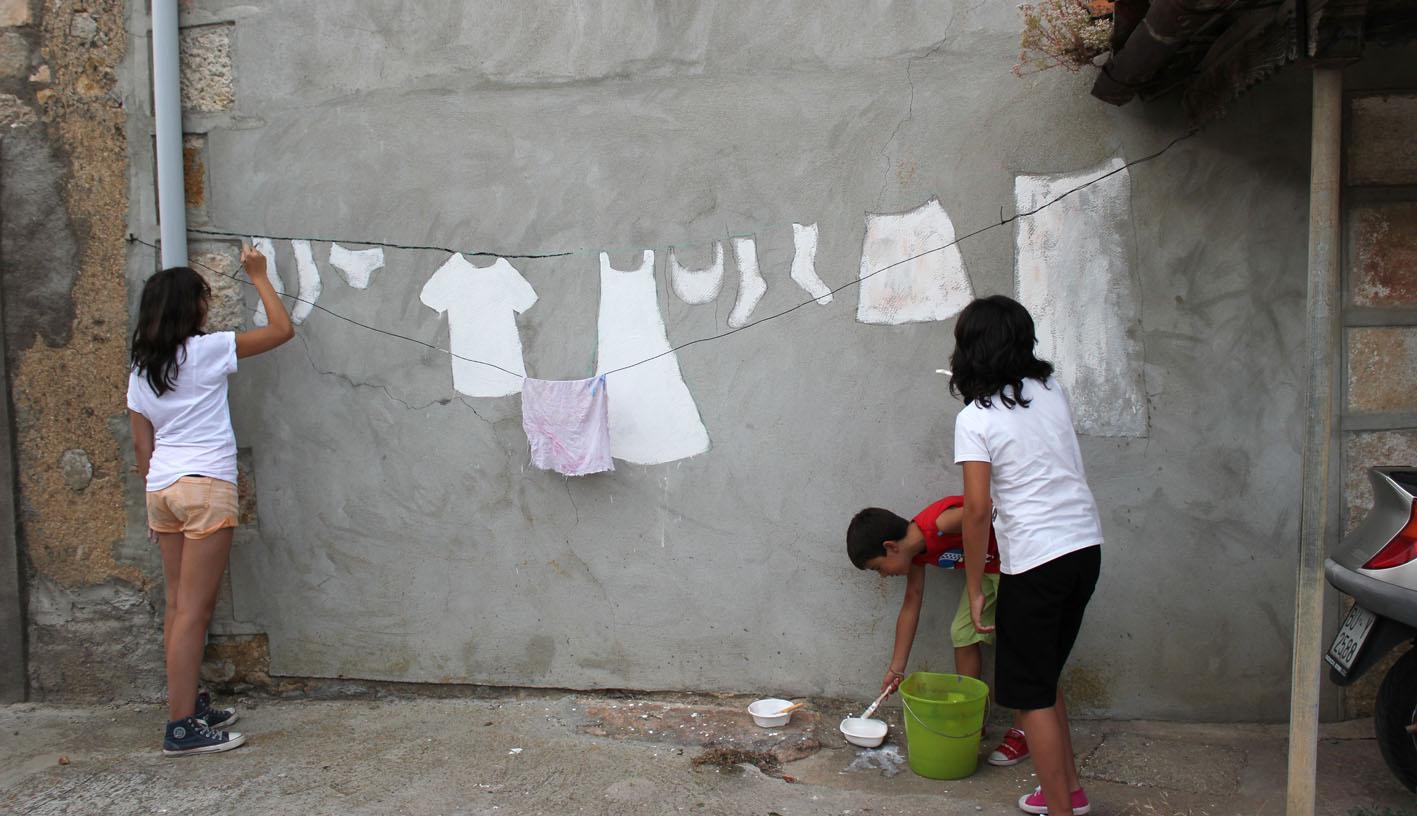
{"x":555,"y":753}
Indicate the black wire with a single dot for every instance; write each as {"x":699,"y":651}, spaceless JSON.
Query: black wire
{"x":1002,"y":222}
{"x":135,"y":239}
{"x":484,"y":253}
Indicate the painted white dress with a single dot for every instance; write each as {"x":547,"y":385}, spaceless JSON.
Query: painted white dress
{"x":933,"y":286}
{"x":482,"y":304}
{"x":653,"y":418}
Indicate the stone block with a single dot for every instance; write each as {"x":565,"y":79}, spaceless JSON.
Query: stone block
{"x":1382,"y":369}
{"x":1366,"y":449}
{"x":14,"y":12}
{"x":83,"y":28}
{"x":77,"y":468}
{"x":100,"y":642}
{"x":220,"y":264}
{"x":14,"y":55}
{"x":1382,"y":247}
{"x":194,"y":171}
{"x":15,"y":113}
{"x":1380,"y":140}
{"x":208,"y":85}
{"x":246,"y":487}
{"x":237,"y":662}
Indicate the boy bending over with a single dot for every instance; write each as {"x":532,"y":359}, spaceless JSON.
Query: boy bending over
{"x":882,"y":541}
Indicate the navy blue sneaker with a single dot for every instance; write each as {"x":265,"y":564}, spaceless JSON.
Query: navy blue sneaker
{"x":213,"y":717}
{"x":192,"y":736}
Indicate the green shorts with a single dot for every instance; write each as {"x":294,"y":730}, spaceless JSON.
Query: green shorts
{"x":962,"y":631}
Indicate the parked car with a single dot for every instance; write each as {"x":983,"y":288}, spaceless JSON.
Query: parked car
{"x":1377,"y":565}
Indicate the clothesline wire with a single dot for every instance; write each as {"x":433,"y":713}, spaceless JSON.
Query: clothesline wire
{"x":474,"y":253}
{"x":332,"y":313}
{"x":855,"y":282}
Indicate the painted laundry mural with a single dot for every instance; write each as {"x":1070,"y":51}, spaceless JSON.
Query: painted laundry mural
{"x":1073,"y":273}
{"x":482,"y":304}
{"x":653,"y":418}
{"x":898,"y":287}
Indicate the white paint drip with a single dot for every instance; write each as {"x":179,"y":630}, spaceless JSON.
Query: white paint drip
{"x":751,"y":286}
{"x":267,"y":248}
{"x":653,"y":418}
{"x":482,"y":304}
{"x":697,"y":286}
{"x":804,"y":263}
{"x":1074,"y":274}
{"x":356,"y":266}
{"x":934,"y":286}
{"x":309,"y":275}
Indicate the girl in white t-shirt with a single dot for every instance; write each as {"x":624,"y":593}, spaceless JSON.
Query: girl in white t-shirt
{"x":1023,"y":468}
{"x":186,"y":452}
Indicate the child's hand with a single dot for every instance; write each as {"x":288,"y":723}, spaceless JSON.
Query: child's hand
{"x":891,"y":681}
{"x":253,"y":261}
{"x":976,"y":612}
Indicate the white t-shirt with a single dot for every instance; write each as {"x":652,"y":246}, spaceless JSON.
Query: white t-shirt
{"x":192,"y":421}
{"x":482,"y":305}
{"x":1044,"y":508}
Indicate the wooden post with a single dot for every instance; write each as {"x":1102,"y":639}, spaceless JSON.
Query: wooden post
{"x":1320,"y":435}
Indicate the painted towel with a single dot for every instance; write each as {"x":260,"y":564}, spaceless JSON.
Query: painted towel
{"x":567,"y":423}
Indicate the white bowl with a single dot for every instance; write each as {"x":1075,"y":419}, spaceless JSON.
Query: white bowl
{"x":762,"y":712}
{"x":867,"y":733}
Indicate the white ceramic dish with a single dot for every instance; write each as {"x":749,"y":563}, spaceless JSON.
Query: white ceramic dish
{"x":762,"y":712}
{"x":863,"y":732}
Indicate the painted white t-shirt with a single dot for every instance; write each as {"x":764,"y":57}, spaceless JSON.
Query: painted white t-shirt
{"x":192,"y":421}
{"x":482,"y":303}
{"x":1044,"y":508}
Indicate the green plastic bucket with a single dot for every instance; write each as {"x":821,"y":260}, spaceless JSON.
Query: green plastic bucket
{"x":944,"y":716}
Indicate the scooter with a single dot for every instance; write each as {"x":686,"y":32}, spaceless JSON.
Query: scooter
{"x":1377,"y":565}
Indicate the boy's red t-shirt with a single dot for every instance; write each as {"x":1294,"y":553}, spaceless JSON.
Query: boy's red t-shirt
{"x":944,"y":549}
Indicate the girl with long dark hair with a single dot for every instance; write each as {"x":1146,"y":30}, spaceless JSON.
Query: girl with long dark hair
{"x":1023,"y":467}
{"x":186,"y":452}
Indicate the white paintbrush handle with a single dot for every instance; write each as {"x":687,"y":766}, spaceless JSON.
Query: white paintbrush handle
{"x":872,"y":708}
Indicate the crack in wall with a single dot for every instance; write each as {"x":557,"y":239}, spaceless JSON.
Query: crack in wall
{"x":909,"y":115}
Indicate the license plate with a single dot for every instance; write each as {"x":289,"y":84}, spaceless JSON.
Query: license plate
{"x":1348,"y":644}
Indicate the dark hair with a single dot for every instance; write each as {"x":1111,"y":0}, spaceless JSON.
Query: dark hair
{"x":172,"y":309}
{"x":993,"y":354}
{"x":869,"y":531}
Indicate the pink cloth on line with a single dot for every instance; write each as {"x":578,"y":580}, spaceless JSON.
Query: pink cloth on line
{"x":567,"y":423}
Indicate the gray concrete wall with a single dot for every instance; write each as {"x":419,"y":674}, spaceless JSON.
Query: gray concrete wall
{"x":402,"y":535}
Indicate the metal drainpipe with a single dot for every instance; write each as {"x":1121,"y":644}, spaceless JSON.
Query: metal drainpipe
{"x":1320,"y":435}
{"x":167,"y":113}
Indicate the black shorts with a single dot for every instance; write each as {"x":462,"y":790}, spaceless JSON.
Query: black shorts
{"x":1039,"y":614}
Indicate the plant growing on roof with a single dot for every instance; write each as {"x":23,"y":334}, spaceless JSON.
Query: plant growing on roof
{"x":1063,"y":33}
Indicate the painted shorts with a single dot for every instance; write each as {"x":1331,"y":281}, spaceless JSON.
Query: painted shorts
{"x":962,"y":631}
{"x":195,"y":506}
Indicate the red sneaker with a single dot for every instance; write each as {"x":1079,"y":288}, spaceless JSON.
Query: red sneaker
{"x":1034,"y":803}
{"x":1012,"y":751}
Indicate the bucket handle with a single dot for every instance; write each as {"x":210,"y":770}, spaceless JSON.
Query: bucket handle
{"x":906,"y":705}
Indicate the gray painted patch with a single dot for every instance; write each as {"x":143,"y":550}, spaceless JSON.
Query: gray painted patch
{"x":39,"y":256}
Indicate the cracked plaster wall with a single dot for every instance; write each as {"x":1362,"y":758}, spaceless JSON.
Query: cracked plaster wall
{"x":402,"y":535}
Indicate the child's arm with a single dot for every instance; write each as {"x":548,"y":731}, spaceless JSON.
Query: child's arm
{"x":951,"y":521}
{"x":142,"y":441}
{"x":278,"y":328}
{"x":905,"y":625}
{"x":978,"y":508}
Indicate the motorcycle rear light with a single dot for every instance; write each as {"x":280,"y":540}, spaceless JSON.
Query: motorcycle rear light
{"x":1402,"y":548}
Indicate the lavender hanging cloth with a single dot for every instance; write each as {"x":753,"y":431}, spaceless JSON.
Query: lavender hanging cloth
{"x":567,"y":423}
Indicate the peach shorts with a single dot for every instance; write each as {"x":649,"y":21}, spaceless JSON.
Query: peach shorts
{"x":195,"y":506}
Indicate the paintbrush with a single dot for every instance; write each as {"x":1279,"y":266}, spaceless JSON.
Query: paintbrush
{"x":871,"y":709}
